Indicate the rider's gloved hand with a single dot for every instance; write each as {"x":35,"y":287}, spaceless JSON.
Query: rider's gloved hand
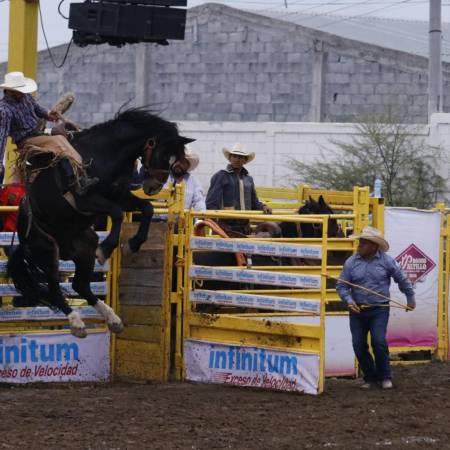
{"x":53,"y":116}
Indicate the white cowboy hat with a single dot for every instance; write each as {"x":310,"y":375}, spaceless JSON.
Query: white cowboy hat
{"x":373,"y":235}
{"x":239,"y":149}
{"x":16,"y":81}
{"x":192,"y":157}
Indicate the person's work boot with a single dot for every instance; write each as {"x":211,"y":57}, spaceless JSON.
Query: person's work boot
{"x":386,"y":384}
{"x":84,"y":184}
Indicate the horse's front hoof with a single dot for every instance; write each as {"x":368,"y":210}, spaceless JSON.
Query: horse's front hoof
{"x":101,"y":258}
{"x":116,"y":327}
{"x":79,"y":332}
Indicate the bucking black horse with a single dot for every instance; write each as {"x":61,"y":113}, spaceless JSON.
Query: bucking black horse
{"x":50,"y":228}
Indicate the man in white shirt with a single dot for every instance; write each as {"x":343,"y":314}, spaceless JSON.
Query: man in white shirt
{"x":181,"y":173}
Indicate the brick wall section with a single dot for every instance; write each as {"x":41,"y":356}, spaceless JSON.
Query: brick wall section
{"x":240,"y":66}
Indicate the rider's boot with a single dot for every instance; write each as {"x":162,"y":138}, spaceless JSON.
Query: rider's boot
{"x":80,"y":185}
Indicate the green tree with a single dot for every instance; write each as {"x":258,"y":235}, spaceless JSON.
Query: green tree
{"x":386,"y":148}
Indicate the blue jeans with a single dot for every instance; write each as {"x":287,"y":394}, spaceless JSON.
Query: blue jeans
{"x":373,"y":321}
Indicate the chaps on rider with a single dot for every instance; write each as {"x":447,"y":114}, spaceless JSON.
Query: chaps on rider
{"x":19,"y":119}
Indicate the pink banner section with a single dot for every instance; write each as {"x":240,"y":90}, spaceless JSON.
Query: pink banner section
{"x":417,"y":253}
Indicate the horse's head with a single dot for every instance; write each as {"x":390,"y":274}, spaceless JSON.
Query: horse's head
{"x":141,"y":134}
{"x":158,"y":157}
{"x":317,"y":207}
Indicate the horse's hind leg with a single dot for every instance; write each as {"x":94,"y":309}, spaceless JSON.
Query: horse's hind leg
{"x":46,"y":257}
{"x":84,"y":259}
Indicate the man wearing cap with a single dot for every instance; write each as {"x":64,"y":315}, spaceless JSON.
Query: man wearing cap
{"x":372,"y":268}
{"x":180,"y":172}
{"x":234,"y":189}
{"x":19,"y":118}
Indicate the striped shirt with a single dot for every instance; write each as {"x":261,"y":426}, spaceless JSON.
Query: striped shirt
{"x":18,"y":119}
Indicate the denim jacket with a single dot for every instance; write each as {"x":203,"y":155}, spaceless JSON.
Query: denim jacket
{"x":224,"y":191}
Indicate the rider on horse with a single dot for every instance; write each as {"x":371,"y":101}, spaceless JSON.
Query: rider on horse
{"x":19,"y":118}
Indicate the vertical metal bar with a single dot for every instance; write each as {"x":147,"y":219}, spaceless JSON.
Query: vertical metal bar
{"x":22,"y":52}
{"x":441,"y":281}
{"x":187,"y":281}
{"x":323,"y":298}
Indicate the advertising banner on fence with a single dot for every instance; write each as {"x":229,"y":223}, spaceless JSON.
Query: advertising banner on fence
{"x":245,"y":366}
{"x":11,"y":238}
{"x":257,"y":248}
{"x":256,"y":277}
{"x":58,"y":357}
{"x":44,"y":313}
{"x":65,"y":266}
{"x":254,"y":301}
{"x":97,"y":287}
{"x":414,"y":243}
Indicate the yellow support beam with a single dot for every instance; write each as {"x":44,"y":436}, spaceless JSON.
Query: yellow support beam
{"x":22,"y":52}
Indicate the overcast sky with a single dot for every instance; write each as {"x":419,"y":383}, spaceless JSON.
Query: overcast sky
{"x":58,"y":33}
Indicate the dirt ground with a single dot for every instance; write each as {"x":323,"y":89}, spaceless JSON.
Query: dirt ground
{"x":192,"y":416}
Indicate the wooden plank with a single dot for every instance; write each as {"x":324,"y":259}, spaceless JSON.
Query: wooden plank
{"x":138,"y":295}
{"x":141,"y":315}
{"x":156,"y":237}
{"x":153,"y":258}
{"x":138,"y":361}
{"x":152,"y":278}
{"x":143,"y":333}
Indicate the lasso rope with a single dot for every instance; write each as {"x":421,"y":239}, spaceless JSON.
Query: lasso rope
{"x":396,"y":302}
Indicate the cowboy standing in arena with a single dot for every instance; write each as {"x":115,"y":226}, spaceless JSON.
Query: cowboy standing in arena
{"x":19,"y":119}
{"x":372,"y":268}
{"x":234,"y":189}
{"x":180,"y":172}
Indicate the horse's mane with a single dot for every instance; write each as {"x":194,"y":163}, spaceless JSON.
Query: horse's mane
{"x":142,"y":118}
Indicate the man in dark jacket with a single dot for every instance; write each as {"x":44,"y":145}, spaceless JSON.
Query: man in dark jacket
{"x":234,"y":189}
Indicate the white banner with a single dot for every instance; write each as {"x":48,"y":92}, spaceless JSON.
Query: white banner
{"x":44,"y":313}
{"x":245,"y":366}
{"x":414,"y":242}
{"x":256,"y":276}
{"x":58,"y":357}
{"x":6,"y":237}
{"x":255,"y":301}
{"x":256,"y":247}
{"x":65,"y":266}
{"x":98,"y":288}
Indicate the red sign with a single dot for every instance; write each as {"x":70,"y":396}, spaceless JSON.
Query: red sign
{"x":414,"y":263}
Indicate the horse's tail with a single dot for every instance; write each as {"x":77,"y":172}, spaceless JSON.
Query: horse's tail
{"x":27,"y":278}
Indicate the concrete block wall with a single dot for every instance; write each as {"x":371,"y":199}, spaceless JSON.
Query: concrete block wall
{"x":239,"y":66}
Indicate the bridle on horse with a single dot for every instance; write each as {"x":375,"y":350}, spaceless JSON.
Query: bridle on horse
{"x":147,"y":156}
